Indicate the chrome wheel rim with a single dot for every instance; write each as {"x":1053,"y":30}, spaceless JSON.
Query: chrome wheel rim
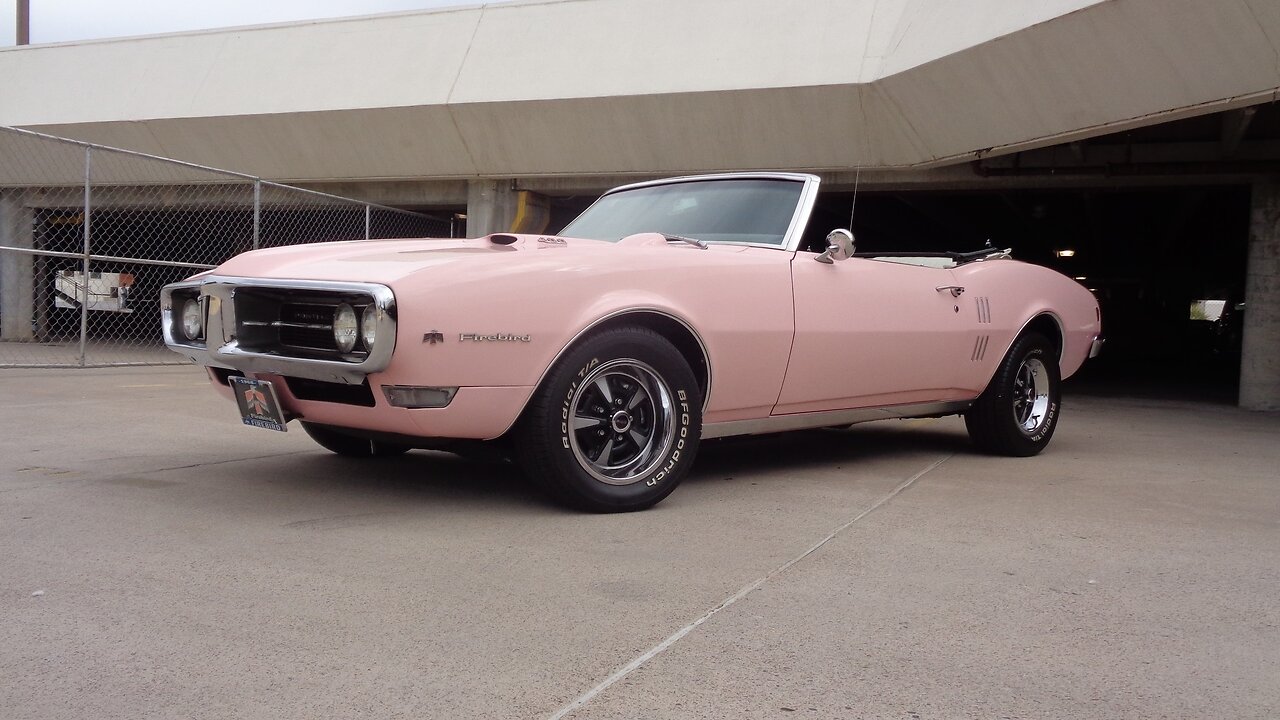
{"x":1031,"y":396}
{"x":621,"y":422}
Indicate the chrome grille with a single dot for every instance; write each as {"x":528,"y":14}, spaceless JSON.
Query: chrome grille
{"x":253,"y":323}
{"x":307,"y":326}
{"x":295,"y":323}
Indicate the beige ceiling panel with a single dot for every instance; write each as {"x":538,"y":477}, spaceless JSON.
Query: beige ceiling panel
{"x":368,"y":62}
{"x":649,"y":86}
{"x":797,"y":128}
{"x":1117,"y":62}
{"x":382,"y":62}
{"x":931,"y":29}
{"x":392,"y":142}
{"x":29,"y":161}
{"x":105,"y":81}
{"x":606,"y":48}
{"x":1267,"y":13}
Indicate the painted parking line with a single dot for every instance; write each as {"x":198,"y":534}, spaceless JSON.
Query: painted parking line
{"x":675,"y":637}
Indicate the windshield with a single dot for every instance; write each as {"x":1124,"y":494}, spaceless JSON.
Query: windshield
{"x":750,"y":211}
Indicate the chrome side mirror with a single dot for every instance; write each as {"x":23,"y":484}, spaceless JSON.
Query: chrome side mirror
{"x":839,"y":246}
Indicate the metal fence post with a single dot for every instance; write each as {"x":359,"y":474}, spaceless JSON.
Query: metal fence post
{"x":367,"y":211}
{"x":88,"y":217}
{"x":257,"y":211}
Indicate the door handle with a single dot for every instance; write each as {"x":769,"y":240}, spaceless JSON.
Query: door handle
{"x":956,"y":290}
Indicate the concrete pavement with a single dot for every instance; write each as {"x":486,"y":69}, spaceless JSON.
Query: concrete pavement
{"x":157,"y":559}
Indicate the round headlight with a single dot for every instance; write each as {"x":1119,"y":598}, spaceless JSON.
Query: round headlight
{"x":345,"y":328}
{"x":369,"y":326}
{"x":192,"y":319}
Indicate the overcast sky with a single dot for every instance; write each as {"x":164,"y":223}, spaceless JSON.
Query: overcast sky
{"x":65,"y":20}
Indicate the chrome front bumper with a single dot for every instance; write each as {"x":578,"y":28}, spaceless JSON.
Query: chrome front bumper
{"x":221,"y":348}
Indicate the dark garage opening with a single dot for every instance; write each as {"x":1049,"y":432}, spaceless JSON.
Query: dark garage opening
{"x":1167,"y":267}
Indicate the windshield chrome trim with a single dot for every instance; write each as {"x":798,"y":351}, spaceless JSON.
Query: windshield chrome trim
{"x":793,"y":177}
{"x":804,"y":209}
{"x":799,"y":219}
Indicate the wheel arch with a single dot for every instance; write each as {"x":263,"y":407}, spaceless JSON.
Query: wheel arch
{"x":1045,"y":322}
{"x":675,"y":329}
{"x":1048,"y":324}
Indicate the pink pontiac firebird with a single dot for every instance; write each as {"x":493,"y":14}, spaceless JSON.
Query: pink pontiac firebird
{"x":667,"y":313}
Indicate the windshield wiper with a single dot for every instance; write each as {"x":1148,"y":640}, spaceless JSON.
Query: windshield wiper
{"x":692,"y":241}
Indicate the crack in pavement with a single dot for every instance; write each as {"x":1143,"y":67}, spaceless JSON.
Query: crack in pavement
{"x":661,"y":647}
{"x":222,"y":462}
{"x":125,"y":475}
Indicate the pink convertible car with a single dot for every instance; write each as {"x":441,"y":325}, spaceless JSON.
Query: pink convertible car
{"x":669,"y":312}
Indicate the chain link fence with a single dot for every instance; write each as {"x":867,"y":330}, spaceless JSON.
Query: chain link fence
{"x":89,"y":235}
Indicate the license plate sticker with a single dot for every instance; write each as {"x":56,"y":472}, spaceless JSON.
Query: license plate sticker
{"x":258,"y":403}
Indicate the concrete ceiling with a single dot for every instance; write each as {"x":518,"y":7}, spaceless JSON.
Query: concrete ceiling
{"x":607,"y":87}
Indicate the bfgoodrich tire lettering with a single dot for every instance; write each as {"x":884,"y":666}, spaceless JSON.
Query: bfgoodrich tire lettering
{"x":1018,"y":412}
{"x":615,"y":425}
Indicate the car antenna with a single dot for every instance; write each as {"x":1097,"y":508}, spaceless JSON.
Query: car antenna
{"x":854,"y":206}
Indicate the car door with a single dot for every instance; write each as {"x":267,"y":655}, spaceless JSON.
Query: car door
{"x":872,"y":332}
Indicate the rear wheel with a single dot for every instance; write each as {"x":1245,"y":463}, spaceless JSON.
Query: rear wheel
{"x":1018,"y":412}
{"x":336,"y":441}
{"x":614,"y":427}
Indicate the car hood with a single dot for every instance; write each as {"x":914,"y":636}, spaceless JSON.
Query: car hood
{"x":386,"y":261}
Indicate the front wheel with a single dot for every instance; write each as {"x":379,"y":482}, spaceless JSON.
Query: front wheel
{"x":615,"y":425}
{"x":1018,"y":412}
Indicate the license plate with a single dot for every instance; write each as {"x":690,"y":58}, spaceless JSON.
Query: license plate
{"x":259,"y":405}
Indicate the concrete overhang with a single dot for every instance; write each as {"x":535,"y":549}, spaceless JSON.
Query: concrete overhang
{"x":609,"y":87}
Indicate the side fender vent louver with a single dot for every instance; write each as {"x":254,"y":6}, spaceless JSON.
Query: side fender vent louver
{"x":980,"y":347}
{"x":984,"y":310}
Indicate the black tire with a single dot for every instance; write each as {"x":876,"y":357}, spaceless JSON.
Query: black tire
{"x":1018,"y":412}
{"x":636,"y":435}
{"x":336,"y":441}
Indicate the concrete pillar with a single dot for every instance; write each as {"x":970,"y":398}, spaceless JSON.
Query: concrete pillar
{"x":491,"y":207}
{"x":495,"y":206}
{"x":17,"y":270}
{"x":533,"y":213}
{"x":1260,"y":356}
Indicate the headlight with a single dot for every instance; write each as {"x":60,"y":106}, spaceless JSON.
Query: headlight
{"x":345,"y":328}
{"x":369,"y":326}
{"x":192,"y":319}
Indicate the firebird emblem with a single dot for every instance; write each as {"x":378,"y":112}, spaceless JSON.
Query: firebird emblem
{"x":433,"y":337}
{"x":256,"y":401}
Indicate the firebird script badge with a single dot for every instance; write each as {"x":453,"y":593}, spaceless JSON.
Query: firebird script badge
{"x":493,"y":337}
{"x":433,"y":337}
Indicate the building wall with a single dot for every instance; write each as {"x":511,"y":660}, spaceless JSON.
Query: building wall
{"x":599,"y":87}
